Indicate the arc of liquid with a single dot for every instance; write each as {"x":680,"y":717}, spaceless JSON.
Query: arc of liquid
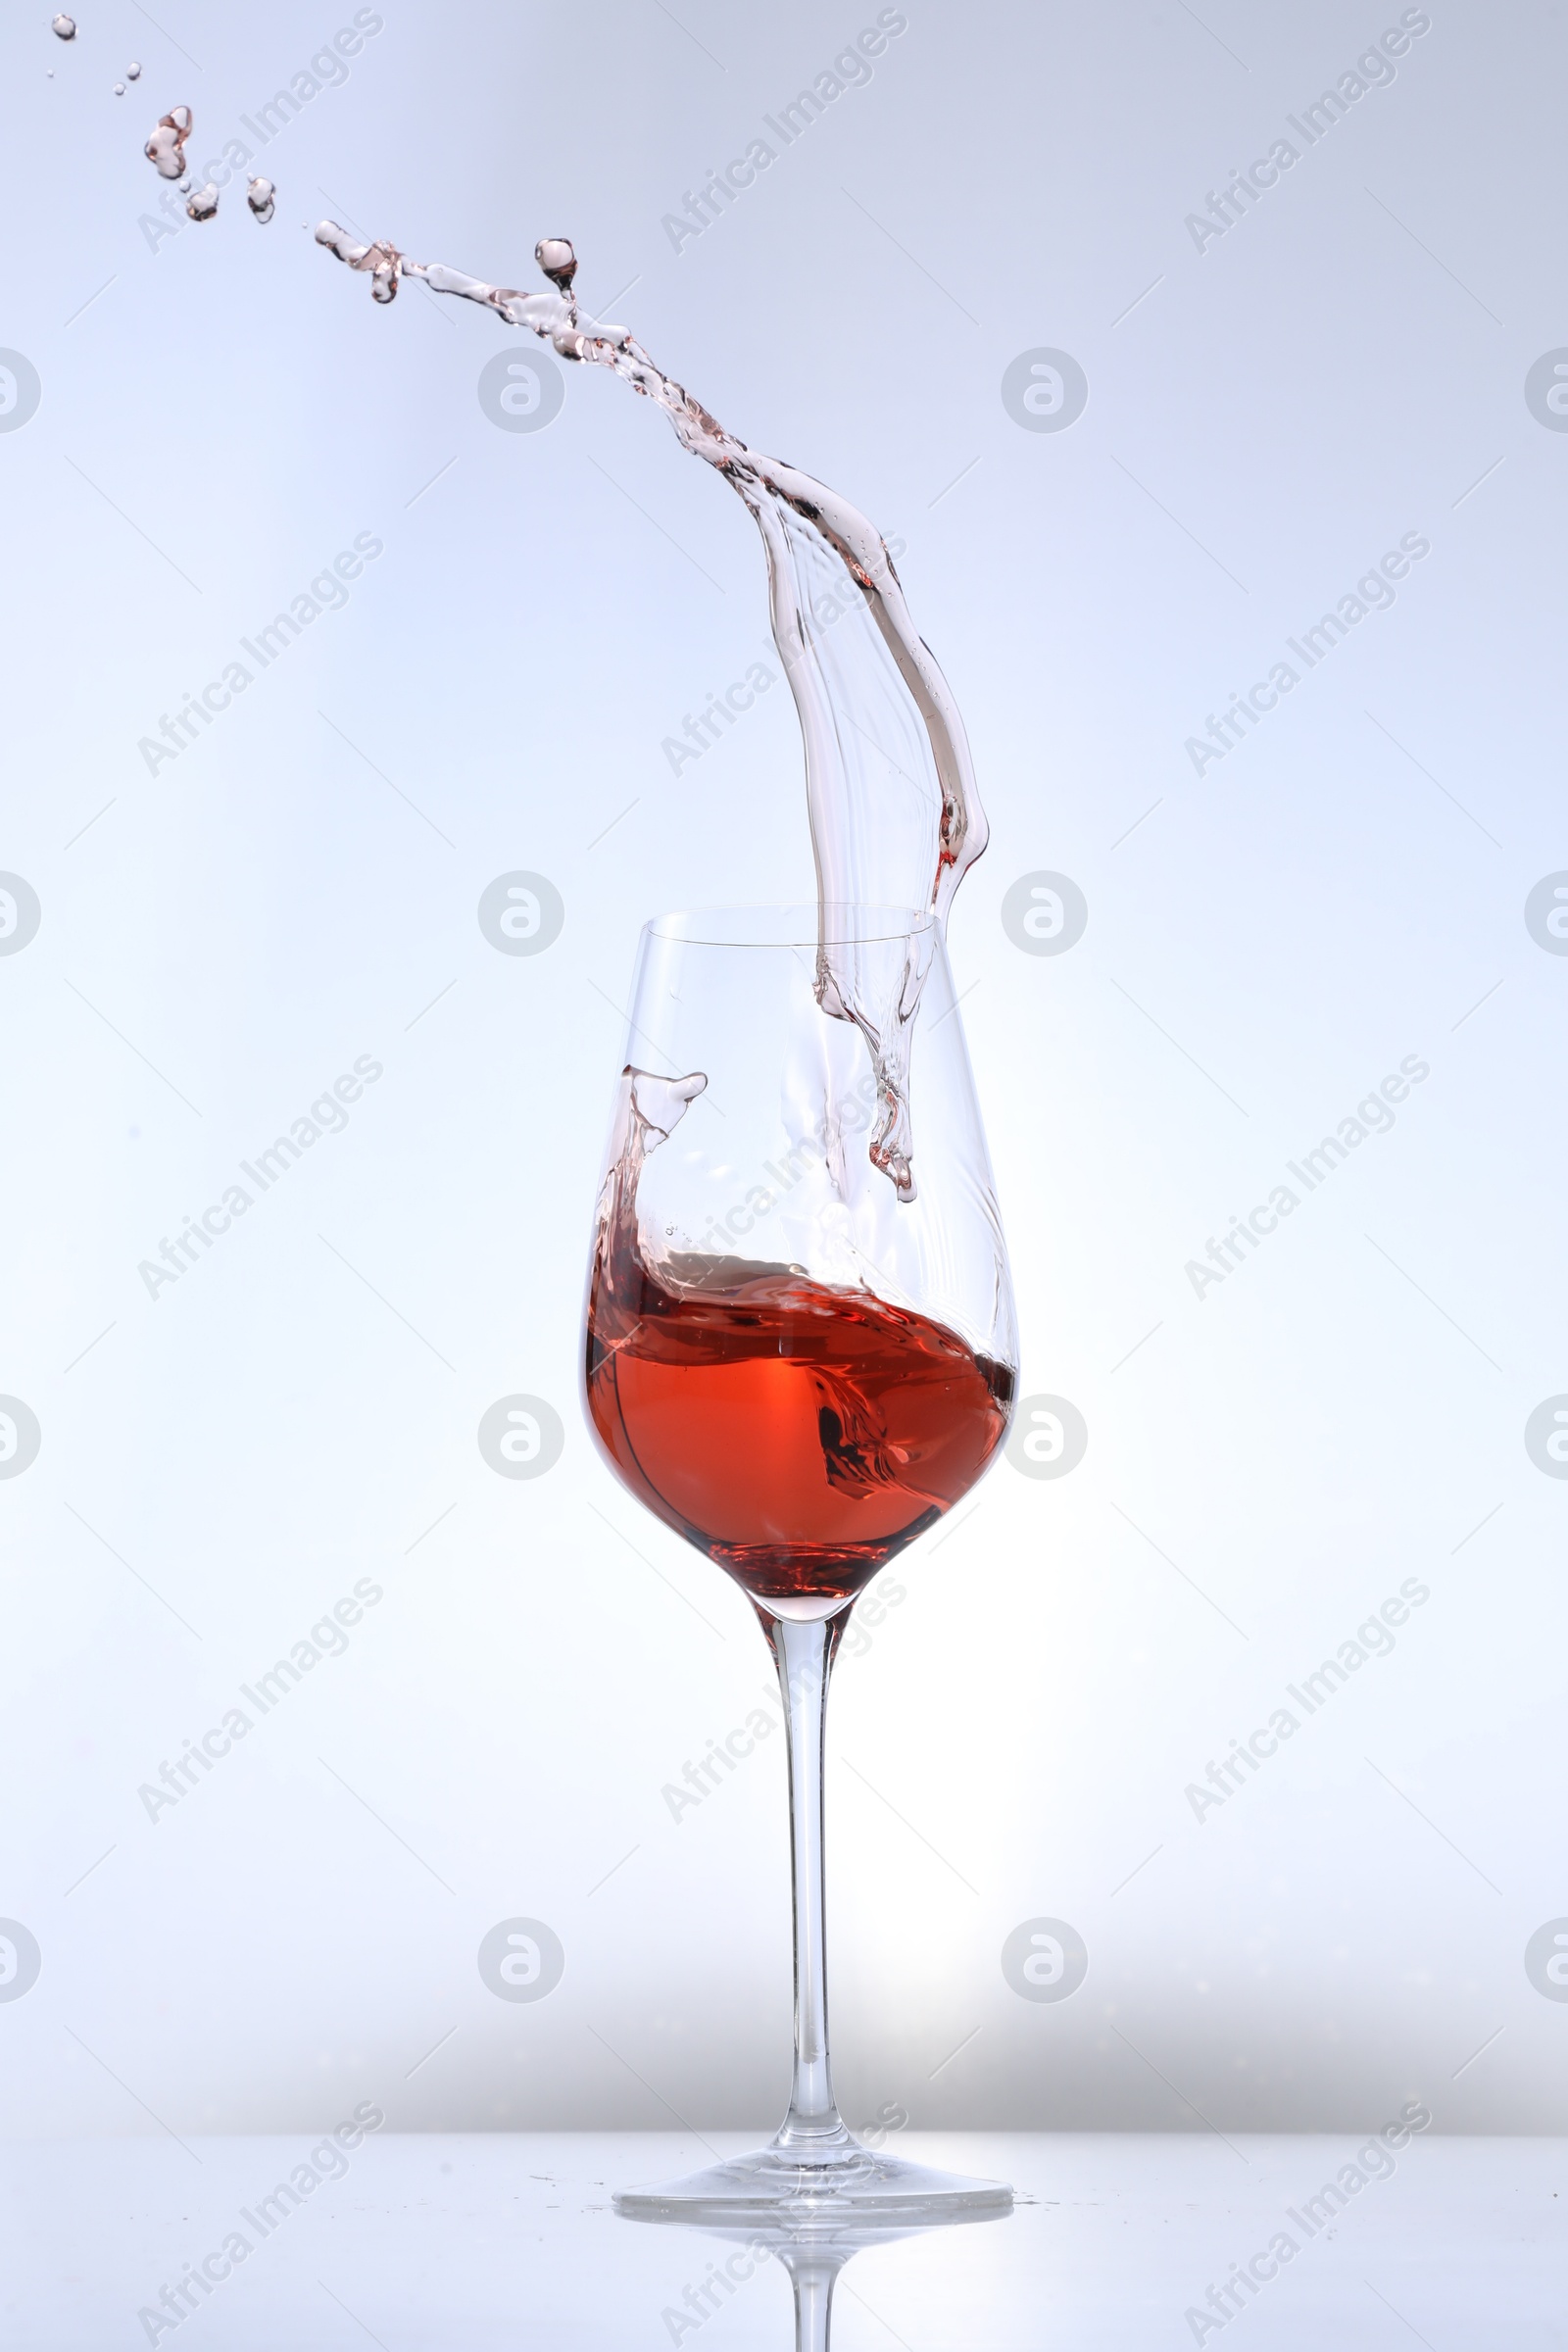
{"x":781,"y":500}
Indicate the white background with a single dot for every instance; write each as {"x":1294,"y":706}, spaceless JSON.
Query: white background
{"x":228,"y":1458}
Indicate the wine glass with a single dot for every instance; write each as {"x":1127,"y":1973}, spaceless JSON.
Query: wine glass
{"x":800,"y":1353}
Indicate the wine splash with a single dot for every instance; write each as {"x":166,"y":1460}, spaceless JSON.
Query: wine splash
{"x":166,"y":149}
{"x":798,"y":1433}
{"x":895,"y":815}
{"x":167,"y":146}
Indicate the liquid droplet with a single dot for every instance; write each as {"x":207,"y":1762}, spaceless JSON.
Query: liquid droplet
{"x":383,"y":261}
{"x":557,"y":260}
{"x":64,"y":26}
{"x":204,"y":204}
{"x":133,"y":71}
{"x":261,"y":199}
{"x":120,"y":89}
{"x":167,"y":146}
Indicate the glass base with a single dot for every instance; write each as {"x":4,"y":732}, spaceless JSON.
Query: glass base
{"x":851,"y":2185}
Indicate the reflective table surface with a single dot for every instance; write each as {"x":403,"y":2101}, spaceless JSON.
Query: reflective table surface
{"x":478,"y":2241}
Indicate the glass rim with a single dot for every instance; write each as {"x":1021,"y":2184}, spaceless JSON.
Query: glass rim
{"x":801,"y":924}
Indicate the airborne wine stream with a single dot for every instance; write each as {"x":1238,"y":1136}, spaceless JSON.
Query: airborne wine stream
{"x":895,"y":815}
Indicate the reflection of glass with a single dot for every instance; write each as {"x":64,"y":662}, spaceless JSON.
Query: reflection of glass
{"x":794,"y":1367}
{"x":814,"y":2253}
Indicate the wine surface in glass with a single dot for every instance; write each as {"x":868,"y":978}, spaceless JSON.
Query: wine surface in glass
{"x":799,"y":1434}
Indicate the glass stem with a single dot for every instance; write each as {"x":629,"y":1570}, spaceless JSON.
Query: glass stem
{"x":804,"y":1655}
{"x":812,"y":2277}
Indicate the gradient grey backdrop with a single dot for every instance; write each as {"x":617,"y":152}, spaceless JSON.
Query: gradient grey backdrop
{"x":221,"y":413}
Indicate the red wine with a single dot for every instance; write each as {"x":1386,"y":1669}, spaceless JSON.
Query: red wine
{"x":800,"y":1435}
